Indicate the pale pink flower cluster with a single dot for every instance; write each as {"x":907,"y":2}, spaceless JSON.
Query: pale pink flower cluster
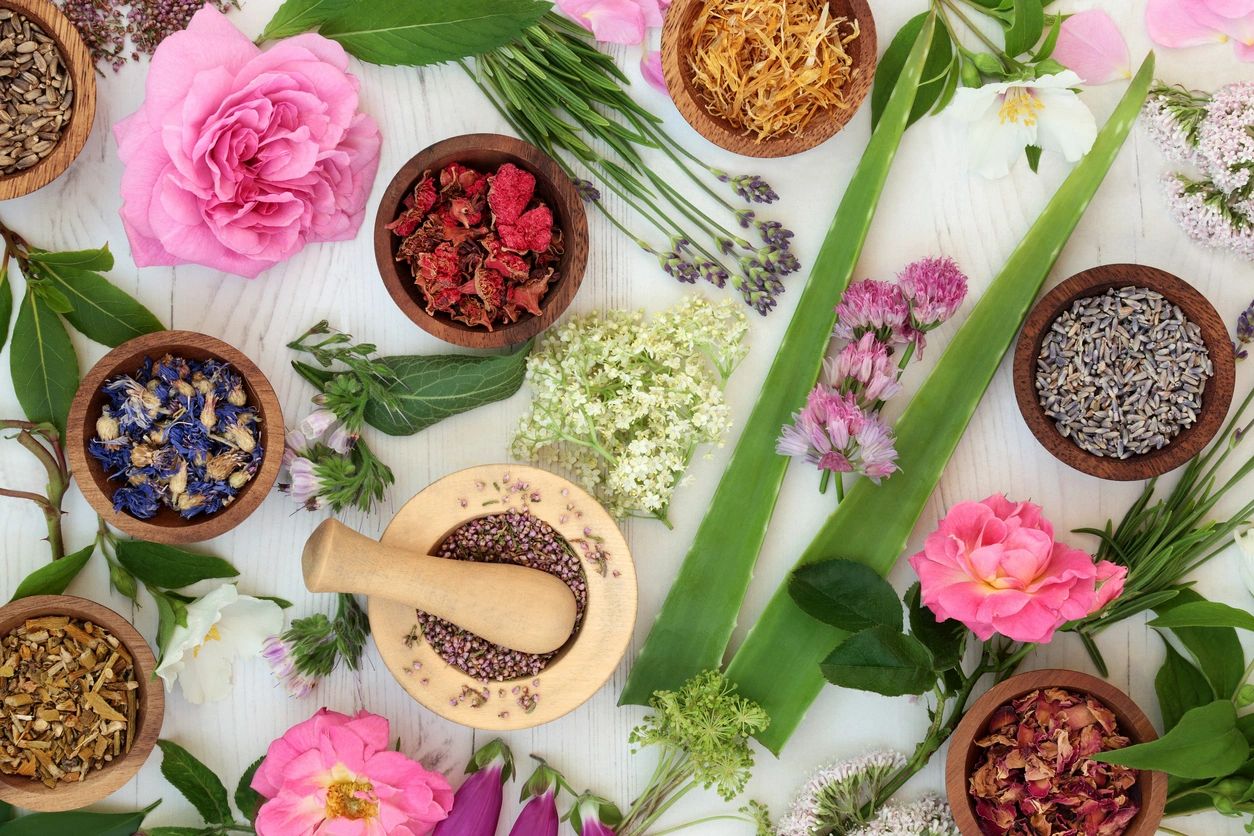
{"x":623,"y":22}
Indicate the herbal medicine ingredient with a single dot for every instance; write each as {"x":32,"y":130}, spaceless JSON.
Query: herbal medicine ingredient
{"x":36,"y":93}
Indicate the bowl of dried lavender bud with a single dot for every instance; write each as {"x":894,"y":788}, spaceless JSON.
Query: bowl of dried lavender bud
{"x":47,"y":95}
{"x":1021,"y":760}
{"x":1124,"y":372}
{"x":482,"y":240}
{"x":80,"y":710}
{"x":176,"y":437}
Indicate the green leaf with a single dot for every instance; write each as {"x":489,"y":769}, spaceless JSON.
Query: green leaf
{"x":418,"y":33}
{"x":170,"y":613}
{"x":168,"y":567}
{"x":1027,"y":28}
{"x":98,"y":260}
{"x":43,"y":362}
{"x":1051,"y":40}
{"x":247,"y":799}
{"x":1217,"y":650}
{"x":945,"y":639}
{"x":1033,"y":153}
{"x":274,"y":599}
{"x":699,"y":616}
{"x":296,"y":16}
{"x":96,"y":307}
{"x":53,"y":578}
{"x":882,"y":660}
{"x":7,"y":812}
{"x":777,"y":665}
{"x":78,"y":823}
{"x":1206,"y":743}
{"x":845,"y":594}
{"x":934,"y":79}
{"x":6,"y":300}
{"x":196,"y":782}
{"x":52,"y":296}
{"x":1204,"y":614}
{"x":1180,"y":687}
{"x":183,"y":831}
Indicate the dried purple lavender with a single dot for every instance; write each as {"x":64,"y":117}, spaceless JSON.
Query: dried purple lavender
{"x":1245,"y":331}
{"x":106,"y":25}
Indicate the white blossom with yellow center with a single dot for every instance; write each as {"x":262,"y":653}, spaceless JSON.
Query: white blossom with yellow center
{"x":221,"y":626}
{"x":1000,"y":120}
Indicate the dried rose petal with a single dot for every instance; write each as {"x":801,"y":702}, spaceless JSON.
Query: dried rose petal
{"x":532,"y":231}
{"x":509,"y":192}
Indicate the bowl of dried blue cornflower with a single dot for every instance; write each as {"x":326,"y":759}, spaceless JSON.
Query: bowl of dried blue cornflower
{"x":175,"y":437}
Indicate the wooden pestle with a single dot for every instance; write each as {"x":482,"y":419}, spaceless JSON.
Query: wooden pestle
{"x":514,"y":606}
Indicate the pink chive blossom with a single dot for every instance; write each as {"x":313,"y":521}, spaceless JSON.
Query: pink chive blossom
{"x":934,"y":288}
{"x":866,"y":368}
{"x":282,"y":660}
{"x":833,"y":433}
{"x":871,"y":306}
{"x":1091,"y":45}
{"x":477,"y":804}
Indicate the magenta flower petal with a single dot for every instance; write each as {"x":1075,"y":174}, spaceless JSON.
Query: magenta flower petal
{"x":538,"y":817}
{"x":610,"y":21}
{"x":1091,"y":45}
{"x":477,"y":804}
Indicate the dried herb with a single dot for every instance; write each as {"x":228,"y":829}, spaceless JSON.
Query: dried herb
{"x":36,"y":96}
{"x":108,"y":26}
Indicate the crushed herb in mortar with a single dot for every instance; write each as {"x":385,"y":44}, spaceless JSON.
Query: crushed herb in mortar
{"x":179,"y":434}
{"x":1036,"y":775}
{"x":483,"y":248}
{"x":513,"y":537}
{"x":36,"y":93}
{"x":68,"y":700}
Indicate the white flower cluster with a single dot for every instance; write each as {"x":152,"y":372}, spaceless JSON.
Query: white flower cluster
{"x":929,"y":816}
{"x":622,"y":404}
{"x":833,"y":799}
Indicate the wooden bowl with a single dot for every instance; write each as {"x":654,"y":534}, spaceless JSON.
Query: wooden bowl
{"x":679,"y":81}
{"x":1215,"y":400}
{"x":78,"y":62}
{"x":485,"y":152}
{"x":1151,"y":787}
{"x":32,"y":795}
{"x":581,"y":667}
{"x":167,"y":526}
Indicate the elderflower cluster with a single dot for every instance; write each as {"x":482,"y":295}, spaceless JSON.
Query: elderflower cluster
{"x":832,"y":801}
{"x":622,"y":403}
{"x":929,"y":816}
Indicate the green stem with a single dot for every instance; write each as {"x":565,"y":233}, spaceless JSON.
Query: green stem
{"x":840,"y":487}
{"x":43,"y":442}
{"x":1171,"y":831}
{"x":997,"y":51}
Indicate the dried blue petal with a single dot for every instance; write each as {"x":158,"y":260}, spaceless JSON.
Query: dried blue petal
{"x":141,"y":501}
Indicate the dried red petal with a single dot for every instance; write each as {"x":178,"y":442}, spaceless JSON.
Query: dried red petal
{"x":422,"y":198}
{"x":473,"y":313}
{"x":512,"y":265}
{"x":407,"y":222}
{"x":528,"y":296}
{"x":533,"y":230}
{"x":509,"y":192}
{"x":490,"y":287}
{"x":465,"y":211}
{"x":440,"y":267}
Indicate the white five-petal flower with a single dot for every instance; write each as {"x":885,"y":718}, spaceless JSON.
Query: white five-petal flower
{"x":1004,"y":118}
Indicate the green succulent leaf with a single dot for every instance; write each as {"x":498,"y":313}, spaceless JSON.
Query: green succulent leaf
{"x":1206,"y":743}
{"x":43,"y":362}
{"x":167,"y":567}
{"x":53,"y":578}
{"x":882,"y":660}
{"x":196,"y":782}
{"x":848,"y":595}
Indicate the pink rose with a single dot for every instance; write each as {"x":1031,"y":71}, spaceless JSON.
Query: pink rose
{"x":239,"y":157}
{"x":995,"y":566}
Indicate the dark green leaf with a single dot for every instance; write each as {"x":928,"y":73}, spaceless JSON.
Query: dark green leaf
{"x":98,"y":260}
{"x":6,"y":301}
{"x":44,"y":365}
{"x":78,"y":823}
{"x":848,"y":595}
{"x":6,"y":811}
{"x":1180,"y":686}
{"x":183,"y":831}
{"x":196,"y":782}
{"x":168,"y":567}
{"x":1216,"y":650}
{"x":53,"y":578}
{"x":1206,"y":743}
{"x":296,"y":16}
{"x":97,"y":308}
{"x":1033,"y":153}
{"x":168,"y":617}
{"x":388,"y":32}
{"x":282,"y":602}
{"x":52,"y":296}
{"x":1051,"y":40}
{"x":1204,"y":614}
{"x":247,"y":799}
{"x":935,"y":75}
{"x":944,"y":639}
{"x":882,"y":660}
{"x":1026,"y":30}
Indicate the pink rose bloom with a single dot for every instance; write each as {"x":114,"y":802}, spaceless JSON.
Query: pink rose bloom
{"x":1184,"y":23}
{"x":334,"y":775}
{"x":995,"y":566}
{"x":239,"y":157}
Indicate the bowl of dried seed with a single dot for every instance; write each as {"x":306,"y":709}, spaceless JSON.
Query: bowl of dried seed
{"x":47,"y":95}
{"x":80,"y":710}
{"x":1124,"y":372}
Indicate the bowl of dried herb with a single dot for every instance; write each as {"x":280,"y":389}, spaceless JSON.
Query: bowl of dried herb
{"x":175,"y":437}
{"x":482,"y":240}
{"x":80,"y":710}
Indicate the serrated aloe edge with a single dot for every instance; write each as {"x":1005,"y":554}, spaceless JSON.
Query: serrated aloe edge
{"x":778,"y":664}
{"x":696,"y":623}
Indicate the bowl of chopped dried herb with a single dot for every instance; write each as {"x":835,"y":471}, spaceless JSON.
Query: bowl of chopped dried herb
{"x":47,"y":95}
{"x":768,"y":78}
{"x":80,"y":710}
{"x":175,"y":437}
{"x":482,"y":240}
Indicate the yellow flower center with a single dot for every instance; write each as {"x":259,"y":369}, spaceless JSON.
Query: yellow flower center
{"x":349,"y":799}
{"x":212,"y":636}
{"x":1018,"y":105}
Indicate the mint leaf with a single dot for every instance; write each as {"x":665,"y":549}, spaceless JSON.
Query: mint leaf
{"x":76,"y":824}
{"x":882,"y":660}
{"x":845,"y":594}
{"x":43,"y":362}
{"x":96,"y":307}
{"x":1204,"y":614}
{"x":168,"y":567}
{"x":296,"y":16}
{"x":196,"y":782}
{"x":247,"y":799}
{"x":53,"y":578}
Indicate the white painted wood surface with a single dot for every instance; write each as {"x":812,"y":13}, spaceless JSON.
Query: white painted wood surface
{"x":930,"y":206}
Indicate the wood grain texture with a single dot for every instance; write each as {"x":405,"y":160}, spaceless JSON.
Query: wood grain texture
{"x":167,"y":526}
{"x":32,"y":795}
{"x":1151,"y":787}
{"x":78,"y":62}
{"x":677,"y":69}
{"x":486,"y":153}
{"x":1216,"y":399}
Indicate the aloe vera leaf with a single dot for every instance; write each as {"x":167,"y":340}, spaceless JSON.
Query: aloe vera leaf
{"x":778,"y":664}
{"x":696,"y":623}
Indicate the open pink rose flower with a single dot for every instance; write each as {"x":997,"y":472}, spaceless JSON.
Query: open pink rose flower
{"x":995,"y":566}
{"x":335,"y":775}
{"x":239,"y":157}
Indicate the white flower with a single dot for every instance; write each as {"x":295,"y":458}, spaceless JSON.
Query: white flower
{"x":929,"y":816}
{"x":1002,"y":119}
{"x":1245,"y":565}
{"x":221,"y":626}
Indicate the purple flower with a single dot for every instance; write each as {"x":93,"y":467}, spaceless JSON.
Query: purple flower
{"x":871,"y":306}
{"x":1245,"y":331}
{"x":833,"y":433}
{"x":865,"y":368}
{"x":477,"y":804}
{"x":592,"y":815}
{"x":935,"y":288}
{"x":281,"y":657}
{"x":539,"y":816}
{"x":304,"y":486}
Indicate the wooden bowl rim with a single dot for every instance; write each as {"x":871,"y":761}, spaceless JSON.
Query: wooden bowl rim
{"x":32,"y":795}
{"x":82,"y":69}
{"x":722,"y":133}
{"x":99,"y":490}
{"x":570,"y":217}
{"x":582,"y":667}
{"x":1132,"y":720}
{"x":1215,"y":400}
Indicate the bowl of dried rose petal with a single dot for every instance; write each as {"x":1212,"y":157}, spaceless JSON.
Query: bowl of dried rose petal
{"x":80,"y":710}
{"x":482,"y":240}
{"x":1021,"y":760}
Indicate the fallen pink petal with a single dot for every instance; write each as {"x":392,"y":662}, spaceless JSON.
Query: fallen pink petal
{"x":1091,"y":45}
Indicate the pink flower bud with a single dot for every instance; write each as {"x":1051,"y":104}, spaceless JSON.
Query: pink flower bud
{"x":477,"y":803}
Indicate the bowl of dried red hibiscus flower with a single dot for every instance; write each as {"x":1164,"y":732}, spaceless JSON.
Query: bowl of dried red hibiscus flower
{"x":482,"y":240}
{"x":1021,"y":762}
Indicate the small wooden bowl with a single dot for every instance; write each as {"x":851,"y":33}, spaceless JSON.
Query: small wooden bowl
{"x":167,"y":526}
{"x":78,"y":62}
{"x":679,"y":81}
{"x":1215,"y":400}
{"x":32,"y":795}
{"x":1150,"y":786}
{"x":587,"y":660}
{"x":485,"y":152}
